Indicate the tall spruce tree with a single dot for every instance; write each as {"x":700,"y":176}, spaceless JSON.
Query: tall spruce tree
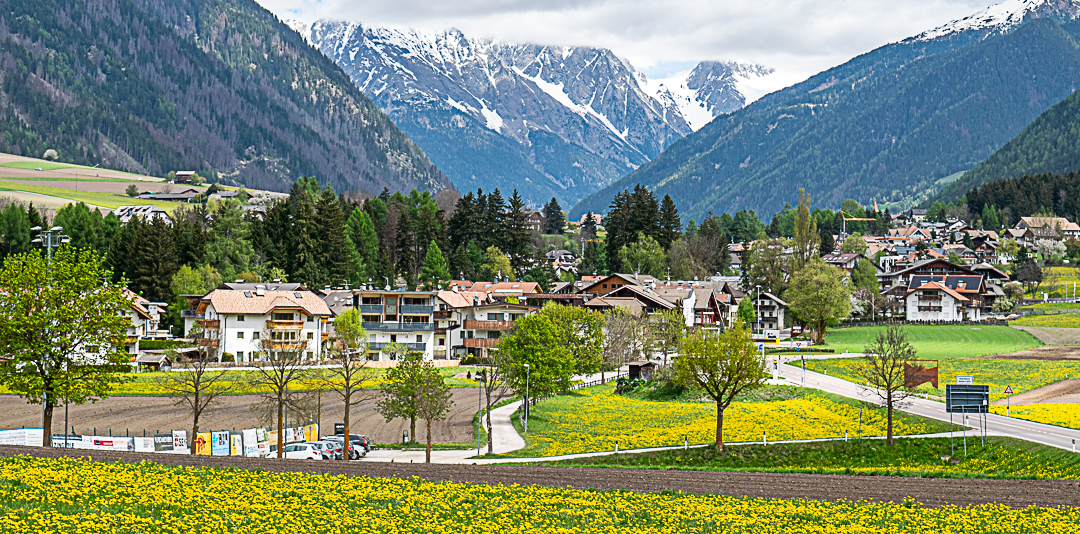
{"x":227,"y":247}
{"x":670,"y":223}
{"x":304,"y":244}
{"x":588,"y":228}
{"x":14,"y":230}
{"x":335,"y":252}
{"x":554,"y":220}
{"x":360,"y":232}
{"x":153,"y":261}
{"x":435,"y":269}
{"x":516,"y":238}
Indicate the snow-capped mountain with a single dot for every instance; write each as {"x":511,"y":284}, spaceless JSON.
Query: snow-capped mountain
{"x":1004,"y":16}
{"x":549,"y":120}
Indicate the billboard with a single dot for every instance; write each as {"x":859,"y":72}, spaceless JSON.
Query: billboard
{"x":219,"y":443}
{"x":917,"y":374}
{"x":251,"y":442}
{"x":236,"y":443}
{"x":144,"y":444}
{"x":21,"y":436}
{"x":179,"y":439}
{"x":967,"y":399}
{"x":108,"y":443}
{"x":163,"y":443}
{"x":203,"y":443}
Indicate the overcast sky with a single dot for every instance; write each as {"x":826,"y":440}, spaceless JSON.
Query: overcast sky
{"x":661,"y":37}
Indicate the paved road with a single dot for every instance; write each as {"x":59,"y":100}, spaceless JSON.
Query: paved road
{"x":1054,"y":436}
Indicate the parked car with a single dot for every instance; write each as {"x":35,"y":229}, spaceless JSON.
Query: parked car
{"x":329,"y":449}
{"x":303,"y":451}
{"x":356,"y":447}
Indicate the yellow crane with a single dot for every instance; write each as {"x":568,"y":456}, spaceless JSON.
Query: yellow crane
{"x":846,"y":217}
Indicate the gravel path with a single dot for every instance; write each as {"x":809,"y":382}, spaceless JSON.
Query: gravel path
{"x":932,"y":492}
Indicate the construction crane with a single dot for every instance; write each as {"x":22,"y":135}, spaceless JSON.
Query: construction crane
{"x":846,"y":217}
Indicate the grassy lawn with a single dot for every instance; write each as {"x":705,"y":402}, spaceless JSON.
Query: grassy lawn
{"x":1052,"y":320}
{"x":594,"y":419}
{"x":1022,"y":375}
{"x":72,"y":179}
{"x":999,"y":458}
{"x":1053,"y":306}
{"x":1066,"y":415}
{"x":45,"y":165}
{"x":108,"y":200}
{"x":940,"y":341}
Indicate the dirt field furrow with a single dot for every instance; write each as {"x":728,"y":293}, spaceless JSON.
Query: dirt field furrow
{"x":931,"y":492}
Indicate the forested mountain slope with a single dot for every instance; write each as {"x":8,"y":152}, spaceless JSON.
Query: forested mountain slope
{"x":1050,"y":144}
{"x":887,"y":125}
{"x":220,"y":87}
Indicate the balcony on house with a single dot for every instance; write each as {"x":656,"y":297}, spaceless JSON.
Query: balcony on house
{"x":274,"y":324}
{"x":398,"y":327}
{"x":488,"y":325}
{"x":480,"y":343}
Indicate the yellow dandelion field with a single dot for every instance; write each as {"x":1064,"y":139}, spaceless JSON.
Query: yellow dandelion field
{"x":594,"y":419}
{"x":49,"y":496}
{"x":1061,"y":414}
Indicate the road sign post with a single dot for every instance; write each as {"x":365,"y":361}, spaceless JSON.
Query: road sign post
{"x":1008,"y":400}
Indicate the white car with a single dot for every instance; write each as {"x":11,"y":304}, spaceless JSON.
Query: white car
{"x":303,"y":451}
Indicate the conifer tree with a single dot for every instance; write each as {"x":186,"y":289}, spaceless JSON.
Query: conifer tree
{"x":14,"y":230}
{"x":360,"y":232}
{"x":153,"y":261}
{"x":516,"y":238}
{"x":588,"y":228}
{"x":335,"y":252}
{"x":554,"y":221}
{"x":435,"y":269}
{"x":670,"y":223}
{"x":227,"y":247}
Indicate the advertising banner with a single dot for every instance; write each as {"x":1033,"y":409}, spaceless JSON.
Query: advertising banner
{"x":108,"y":443}
{"x":236,"y":443}
{"x":219,"y":443}
{"x":251,"y":443}
{"x":163,"y":443}
{"x":271,"y":442}
{"x":144,"y":444}
{"x":263,"y":440}
{"x":21,"y":436}
{"x":311,"y":432}
{"x":60,"y":440}
{"x":179,"y":440}
{"x":203,"y":443}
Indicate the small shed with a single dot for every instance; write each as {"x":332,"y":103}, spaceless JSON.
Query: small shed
{"x":642,"y":370}
{"x":153,"y":359}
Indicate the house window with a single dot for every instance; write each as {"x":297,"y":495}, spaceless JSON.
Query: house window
{"x":254,"y":335}
{"x":308,"y":354}
{"x":240,"y":318}
{"x":494,"y":316}
{"x":311,"y":335}
{"x":419,"y":338}
{"x":239,"y":335}
{"x":282,"y":316}
{"x":442,"y":341}
{"x":604,"y":286}
{"x":239,"y":355}
{"x":393,"y":338}
{"x":311,"y":318}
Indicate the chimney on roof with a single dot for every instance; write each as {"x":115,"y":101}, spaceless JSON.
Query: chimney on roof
{"x":239,"y":280}
{"x":260,"y":291}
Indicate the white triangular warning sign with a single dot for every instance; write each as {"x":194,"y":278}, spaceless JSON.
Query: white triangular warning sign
{"x":1008,"y":390}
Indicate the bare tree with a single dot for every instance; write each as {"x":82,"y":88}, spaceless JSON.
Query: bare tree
{"x":667,"y":329}
{"x":883,"y":369}
{"x":432,"y":400}
{"x":166,"y":188}
{"x":195,"y":388}
{"x":349,"y":371}
{"x":493,"y":376}
{"x":284,"y":355}
{"x":620,"y":334}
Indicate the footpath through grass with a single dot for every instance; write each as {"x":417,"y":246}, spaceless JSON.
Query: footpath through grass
{"x":911,"y":457}
{"x":595,"y":419}
{"x":49,"y":496}
{"x":940,"y":341}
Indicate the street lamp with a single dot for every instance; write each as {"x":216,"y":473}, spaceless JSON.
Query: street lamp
{"x":50,"y":239}
{"x":479,"y":409}
{"x":527,"y":398}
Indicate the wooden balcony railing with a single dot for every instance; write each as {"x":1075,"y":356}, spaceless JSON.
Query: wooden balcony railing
{"x":285,"y":325}
{"x":480,"y":343}
{"x":203,"y":342}
{"x":283,"y":344}
{"x":209,"y":324}
{"x":489,"y":325}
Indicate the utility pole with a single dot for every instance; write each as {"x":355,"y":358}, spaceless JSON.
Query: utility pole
{"x":50,"y":239}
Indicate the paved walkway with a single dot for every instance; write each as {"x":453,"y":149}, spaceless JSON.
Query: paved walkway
{"x":504,"y":439}
{"x":1054,"y":436}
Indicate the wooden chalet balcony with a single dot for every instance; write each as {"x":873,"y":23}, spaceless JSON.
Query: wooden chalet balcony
{"x":480,"y":343}
{"x":285,"y":325}
{"x":204,"y":342}
{"x":489,"y":325}
{"x":284,"y":344}
{"x":209,"y":324}
{"x":443,"y":314}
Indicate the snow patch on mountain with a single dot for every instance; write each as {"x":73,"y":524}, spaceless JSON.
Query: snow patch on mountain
{"x":714,"y":88}
{"x":1004,"y":16}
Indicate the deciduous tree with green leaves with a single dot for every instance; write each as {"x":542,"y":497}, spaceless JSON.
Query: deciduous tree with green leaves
{"x":347,"y":372}
{"x":644,"y":256}
{"x":62,"y":329}
{"x":581,"y":331}
{"x":432,"y":400}
{"x":818,"y":296}
{"x":537,"y":341}
{"x":723,"y":365}
{"x":400,"y":394}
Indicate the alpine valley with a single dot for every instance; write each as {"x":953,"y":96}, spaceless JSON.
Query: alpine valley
{"x":893,"y":125}
{"x":549,"y":121}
